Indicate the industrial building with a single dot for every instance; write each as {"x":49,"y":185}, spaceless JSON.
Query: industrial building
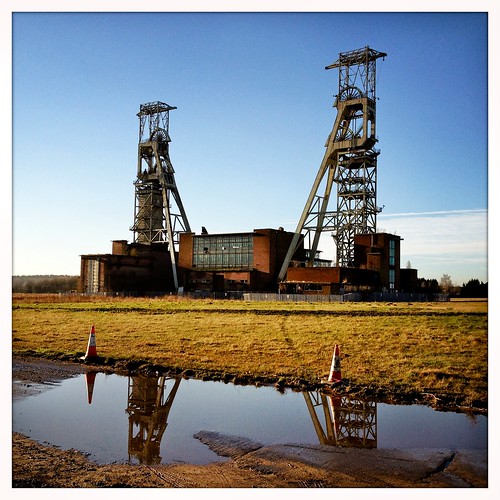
{"x":243,"y":262}
{"x":233,"y":262}
{"x":165,"y":256}
{"x":376,"y":268}
{"x":133,"y":268}
{"x":205,"y":263}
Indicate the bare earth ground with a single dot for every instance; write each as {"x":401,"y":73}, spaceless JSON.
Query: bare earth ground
{"x":250,"y":464}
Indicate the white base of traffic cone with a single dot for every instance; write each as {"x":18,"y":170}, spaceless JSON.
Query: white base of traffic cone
{"x":335,"y":376}
{"x":91,"y":346}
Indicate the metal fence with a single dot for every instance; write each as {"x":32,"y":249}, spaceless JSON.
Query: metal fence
{"x":297,"y":297}
{"x":199,"y":294}
{"x":348,"y":297}
{"x":408,"y":297}
{"x":289,"y":297}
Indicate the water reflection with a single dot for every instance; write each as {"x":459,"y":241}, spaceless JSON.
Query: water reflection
{"x":153,"y":420}
{"x":348,"y":422}
{"x":149,"y":403}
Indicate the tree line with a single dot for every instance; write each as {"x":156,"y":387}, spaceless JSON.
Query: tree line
{"x":472,"y":289}
{"x":44,"y":284}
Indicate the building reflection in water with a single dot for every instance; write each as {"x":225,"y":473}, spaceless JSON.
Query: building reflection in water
{"x":149,"y":402}
{"x":343,"y":420}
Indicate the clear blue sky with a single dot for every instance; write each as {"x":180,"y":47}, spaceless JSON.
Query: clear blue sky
{"x":254,"y":110}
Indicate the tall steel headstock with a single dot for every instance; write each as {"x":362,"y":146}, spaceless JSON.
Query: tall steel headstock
{"x":349,"y":163}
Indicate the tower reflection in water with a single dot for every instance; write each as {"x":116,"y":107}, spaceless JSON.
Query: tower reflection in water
{"x":343,"y":420}
{"x":149,"y":402}
{"x":338,"y":420}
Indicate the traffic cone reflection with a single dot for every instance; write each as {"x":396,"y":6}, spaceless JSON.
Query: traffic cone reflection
{"x":90,"y":380}
{"x":335,"y":375}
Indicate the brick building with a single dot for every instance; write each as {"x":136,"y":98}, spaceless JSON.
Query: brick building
{"x":329,"y":280}
{"x":376,"y":268}
{"x":248,"y":262}
{"x":380,"y":252}
{"x":233,"y":261}
{"x":130,"y":268}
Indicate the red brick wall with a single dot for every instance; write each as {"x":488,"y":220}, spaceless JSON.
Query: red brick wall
{"x":261,"y":251}
{"x":119,"y":247}
{"x":185,"y":250}
{"x":314,"y":274}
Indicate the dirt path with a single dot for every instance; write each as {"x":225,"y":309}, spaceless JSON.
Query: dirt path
{"x":249,"y":464}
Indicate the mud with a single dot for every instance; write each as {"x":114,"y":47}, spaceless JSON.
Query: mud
{"x":249,"y":464}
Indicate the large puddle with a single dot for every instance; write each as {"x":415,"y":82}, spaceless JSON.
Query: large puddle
{"x":153,"y":420}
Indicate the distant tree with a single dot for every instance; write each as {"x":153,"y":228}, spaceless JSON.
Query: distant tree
{"x":43,"y":284}
{"x":474,"y":289}
{"x":428,"y":285}
{"x":445,"y":283}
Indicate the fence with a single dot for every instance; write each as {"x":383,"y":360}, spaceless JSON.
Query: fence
{"x":348,"y":297}
{"x":408,"y":297}
{"x":293,"y":297}
{"x":199,"y":294}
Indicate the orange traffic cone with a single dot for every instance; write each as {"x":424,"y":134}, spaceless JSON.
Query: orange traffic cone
{"x":91,"y":347}
{"x":90,"y":380}
{"x":335,"y":375}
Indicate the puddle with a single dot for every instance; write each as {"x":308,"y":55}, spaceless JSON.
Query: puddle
{"x":152,"y":420}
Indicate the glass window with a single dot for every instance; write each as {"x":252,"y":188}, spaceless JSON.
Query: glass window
{"x":392,"y":252}
{"x":223,"y":252}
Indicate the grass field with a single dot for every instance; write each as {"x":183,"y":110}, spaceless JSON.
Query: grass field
{"x":395,"y":348}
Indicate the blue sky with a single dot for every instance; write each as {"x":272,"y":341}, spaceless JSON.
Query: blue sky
{"x":254,"y":110}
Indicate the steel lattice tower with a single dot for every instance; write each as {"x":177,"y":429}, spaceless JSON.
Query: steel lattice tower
{"x":159,"y":215}
{"x":350,"y":161}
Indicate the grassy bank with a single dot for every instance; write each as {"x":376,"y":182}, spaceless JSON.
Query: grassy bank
{"x":389,"y":348}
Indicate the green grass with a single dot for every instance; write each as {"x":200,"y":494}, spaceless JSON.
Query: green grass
{"x":440,"y":348}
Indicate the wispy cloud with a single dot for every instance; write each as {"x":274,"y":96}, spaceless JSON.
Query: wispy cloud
{"x":437,"y":213}
{"x":453,"y":242}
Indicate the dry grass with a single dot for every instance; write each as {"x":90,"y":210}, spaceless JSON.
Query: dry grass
{"x":424,"y":347}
